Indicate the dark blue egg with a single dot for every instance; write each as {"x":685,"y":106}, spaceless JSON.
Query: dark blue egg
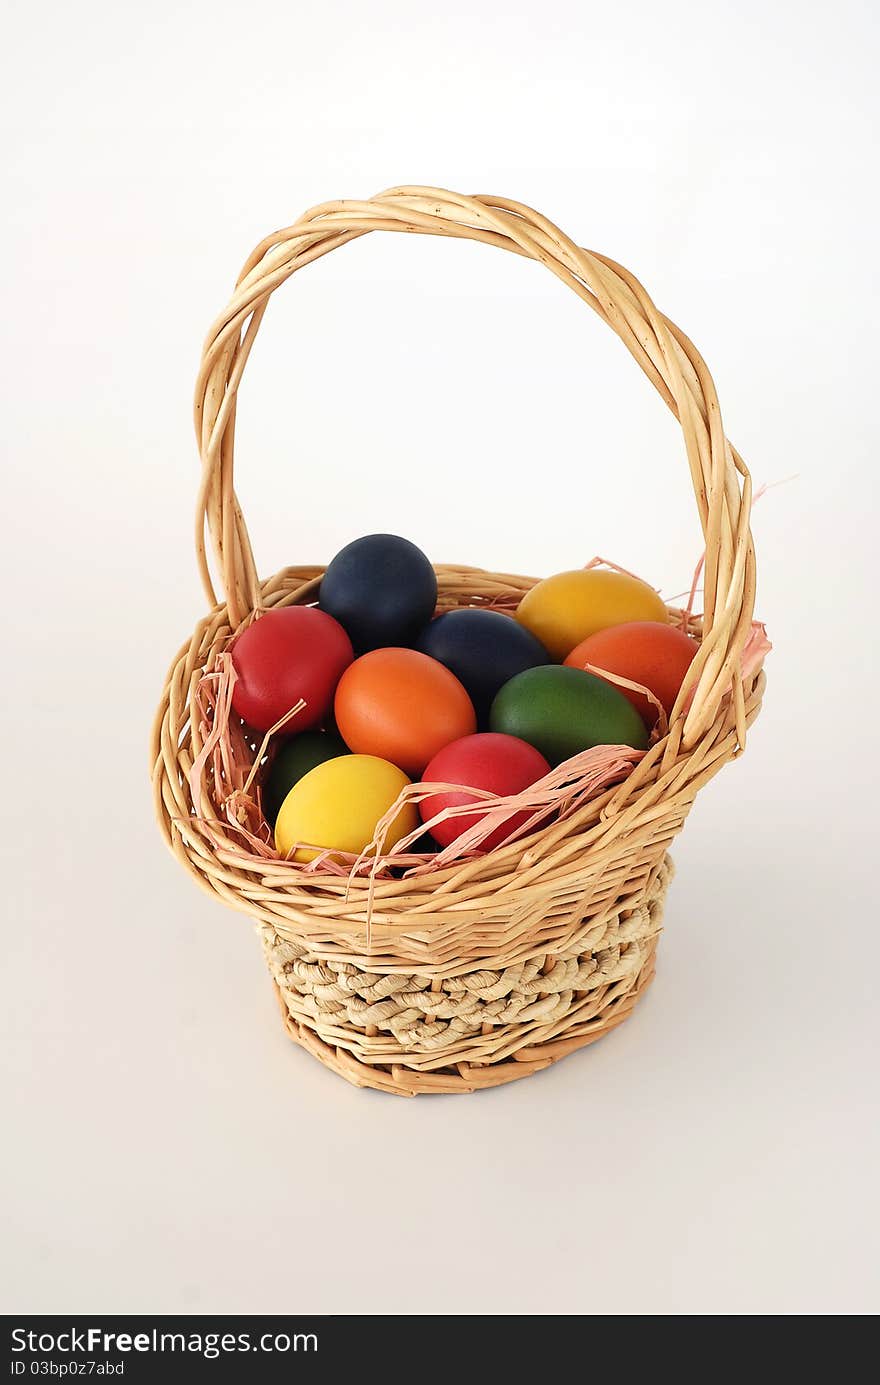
{"x":484,"y":649}
{"x":381,"y":589}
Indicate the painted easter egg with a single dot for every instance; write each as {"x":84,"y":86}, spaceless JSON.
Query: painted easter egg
{"x":287,"y":654}
{"x":402,"y":706}
{"x":294,"y":758}
{"x":484,"y":649}
{"x":656,"y":656}
{"x":381,"y":589}
{"x":337,"y":805}
{"x":562,"y":711}
{"x":563,"y":610}
{"x":501,"y":764}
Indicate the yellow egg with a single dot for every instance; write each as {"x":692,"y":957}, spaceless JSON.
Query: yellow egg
{"x":565,"y":609}
{"x":337,"y":805}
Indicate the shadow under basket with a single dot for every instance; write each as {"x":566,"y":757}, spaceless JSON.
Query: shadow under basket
{"x":486,"y":969}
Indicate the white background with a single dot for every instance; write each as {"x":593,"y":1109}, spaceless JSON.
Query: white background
{"x":167,"y":1148}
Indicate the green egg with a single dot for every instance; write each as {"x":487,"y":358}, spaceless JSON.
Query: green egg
{"x":562,"y":711}
{"x":293,"y":759}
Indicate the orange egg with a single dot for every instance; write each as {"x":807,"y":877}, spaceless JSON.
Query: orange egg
{"x":402,"y":706}
{"x":657,"y":656}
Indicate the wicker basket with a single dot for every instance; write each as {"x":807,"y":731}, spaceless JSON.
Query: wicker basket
{"x":489,"y":969}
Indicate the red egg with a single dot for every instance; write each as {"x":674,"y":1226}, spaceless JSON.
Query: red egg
{"x":501,"y":764}
{"x":644,"y":651}
{"x":287,"y":654}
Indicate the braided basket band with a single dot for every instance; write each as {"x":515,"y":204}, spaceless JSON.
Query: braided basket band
{"x":491,"y":967}
{"x":400,"y":1032}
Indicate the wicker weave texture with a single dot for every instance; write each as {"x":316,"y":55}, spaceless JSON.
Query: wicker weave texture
{"x":476,"y":1028}
{"x":487,"y":969}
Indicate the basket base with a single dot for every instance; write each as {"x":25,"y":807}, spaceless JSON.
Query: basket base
{"x":468,"y":1077}
{"x":408,"y":1032}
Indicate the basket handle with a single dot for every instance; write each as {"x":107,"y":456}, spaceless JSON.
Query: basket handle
{"x":721,"y":481}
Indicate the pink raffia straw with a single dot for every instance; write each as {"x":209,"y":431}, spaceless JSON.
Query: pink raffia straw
{"x":561,"y":792}
{"x":226,"y":748}
{"x":615,"y":567}
{"x":755,"y":650}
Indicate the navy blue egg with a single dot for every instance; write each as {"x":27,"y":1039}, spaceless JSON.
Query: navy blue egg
{"x":484,"y":649}
{"x":381,"y":589}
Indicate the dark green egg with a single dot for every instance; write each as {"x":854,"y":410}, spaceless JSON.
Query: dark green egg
{"x":293,"y":759}
{"x":562,"y":711}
